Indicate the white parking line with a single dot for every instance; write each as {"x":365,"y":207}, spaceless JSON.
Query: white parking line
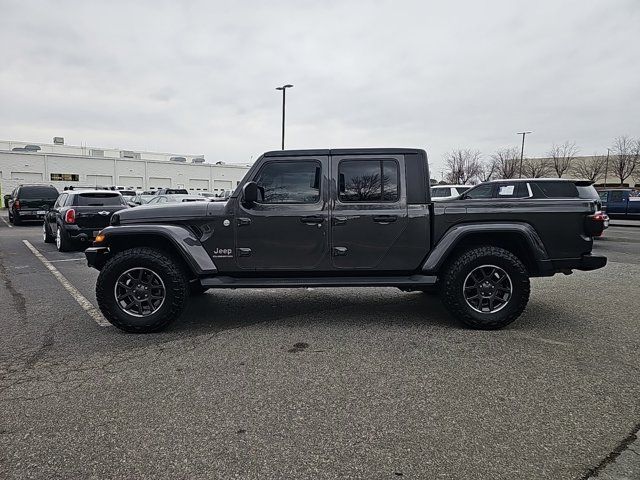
{"x":67,"y":260}
{"x":8,"y":224}
{"x":82,"y":301}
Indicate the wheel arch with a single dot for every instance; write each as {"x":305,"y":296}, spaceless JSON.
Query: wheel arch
{"x":518,"y":238}
{"x":176,"y":240}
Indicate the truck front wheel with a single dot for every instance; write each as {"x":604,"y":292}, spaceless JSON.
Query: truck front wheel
{"x":486,"y":287}
{"x":142,"y":290}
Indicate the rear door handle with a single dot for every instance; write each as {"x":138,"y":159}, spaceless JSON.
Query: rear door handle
{"x":339,"y":220}
{"x":384,"y":218}
{"x":312,"y":220}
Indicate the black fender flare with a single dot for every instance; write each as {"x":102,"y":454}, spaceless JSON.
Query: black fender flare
{"x":185,"y":242}
{"x":457,"y":233}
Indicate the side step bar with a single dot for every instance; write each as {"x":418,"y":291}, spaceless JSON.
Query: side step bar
{"x":293,"y":282}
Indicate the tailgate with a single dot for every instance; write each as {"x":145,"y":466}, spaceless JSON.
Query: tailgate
{"x":38,"y":204}
{"x":95,"y":217}
{"x":94,"y":209}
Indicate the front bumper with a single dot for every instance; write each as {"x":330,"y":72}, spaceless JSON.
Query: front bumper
{"x":96,"y":256}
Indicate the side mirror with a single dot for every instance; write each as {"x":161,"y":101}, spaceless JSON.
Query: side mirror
{"x":250,"y":193}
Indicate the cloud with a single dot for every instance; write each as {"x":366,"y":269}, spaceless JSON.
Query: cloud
{"x":199,"y":77}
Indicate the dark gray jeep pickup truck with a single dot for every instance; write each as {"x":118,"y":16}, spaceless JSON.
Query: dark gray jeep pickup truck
{"x":340,"y":218}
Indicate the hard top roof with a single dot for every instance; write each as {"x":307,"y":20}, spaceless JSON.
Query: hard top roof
{"x":342,"y":151}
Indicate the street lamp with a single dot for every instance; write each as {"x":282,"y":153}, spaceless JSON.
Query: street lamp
{"x":284,"y":89}
{"x":524,"y":134}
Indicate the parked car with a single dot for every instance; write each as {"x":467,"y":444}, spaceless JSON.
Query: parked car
{"x":621,"y":202}
{"x":319,"y":218}
{"x":30,"y":202}
{"x":142,"y":198}
{"x":78,"y":215}
{"x":222,"y":196}
{"x":442,"y":192}
{"x":172,"y":191}
{"x":161,"y":199}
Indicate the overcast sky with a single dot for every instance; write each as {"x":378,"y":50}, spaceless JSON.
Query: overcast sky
{"x":199,"y":77}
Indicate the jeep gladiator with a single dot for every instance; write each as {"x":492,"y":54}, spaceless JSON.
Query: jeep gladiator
{"x":340,"y":218}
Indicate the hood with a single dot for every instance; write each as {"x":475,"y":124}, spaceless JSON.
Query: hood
{"x":164,"y":213}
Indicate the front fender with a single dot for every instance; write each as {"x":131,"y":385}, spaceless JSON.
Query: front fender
{"x":457,"y":233}
{"x":185,"y":242}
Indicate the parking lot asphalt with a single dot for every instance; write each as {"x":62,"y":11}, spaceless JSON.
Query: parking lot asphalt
{"x":316,"y":383}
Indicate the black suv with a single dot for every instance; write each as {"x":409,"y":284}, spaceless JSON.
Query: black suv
{"x":30,"y":202}
{"x":77,"y":216}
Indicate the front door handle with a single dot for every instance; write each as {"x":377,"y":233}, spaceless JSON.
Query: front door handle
{"x":385,"y":218}
{"x":312,"y":220}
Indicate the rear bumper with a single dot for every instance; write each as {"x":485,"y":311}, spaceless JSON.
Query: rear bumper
{"x":566,"y":265}
{"x":78,"y":234}
{"x":30,"y":214}
{"x":96,"y":256}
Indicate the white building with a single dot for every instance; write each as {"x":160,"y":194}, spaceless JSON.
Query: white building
{"x":64,"y":165}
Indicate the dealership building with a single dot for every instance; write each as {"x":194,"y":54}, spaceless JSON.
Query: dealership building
{"x":66,"y":165}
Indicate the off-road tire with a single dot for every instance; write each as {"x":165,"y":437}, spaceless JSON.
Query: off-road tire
{"x":46,"y":235}
{"x":455,"y":273}
{"x":65,"y":244}
{"x":161,"y":263}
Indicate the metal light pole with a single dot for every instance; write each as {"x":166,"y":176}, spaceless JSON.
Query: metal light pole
{"x":284,"y":89}
{"x":524,"y":134}
{"x":606,"y":169}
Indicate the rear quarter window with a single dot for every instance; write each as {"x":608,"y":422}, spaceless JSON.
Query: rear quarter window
{"x":557,"y":189}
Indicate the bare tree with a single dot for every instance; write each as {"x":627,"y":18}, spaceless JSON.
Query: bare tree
{"x":536,"y":167}
{"x":507,"y":162}
{"x":590,"y":168}
{"x":625,"y":157}
{"x":562,"y":156}
{"x":463,"y":166}
{"x":487,"y":170}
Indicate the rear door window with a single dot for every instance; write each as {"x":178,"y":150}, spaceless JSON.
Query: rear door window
{"x":368,"y":181}
{"x":603,"y":196}
{"x":98,"y":199}
{"x":512,"y":190}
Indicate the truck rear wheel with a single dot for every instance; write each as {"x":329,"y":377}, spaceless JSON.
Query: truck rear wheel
{"x":486,"y":288}
{"x":142,"y":290}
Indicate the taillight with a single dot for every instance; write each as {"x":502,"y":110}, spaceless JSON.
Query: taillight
{"x":594,"y":224}
{"x":70,"y":216}
{"x":16,"y":204}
